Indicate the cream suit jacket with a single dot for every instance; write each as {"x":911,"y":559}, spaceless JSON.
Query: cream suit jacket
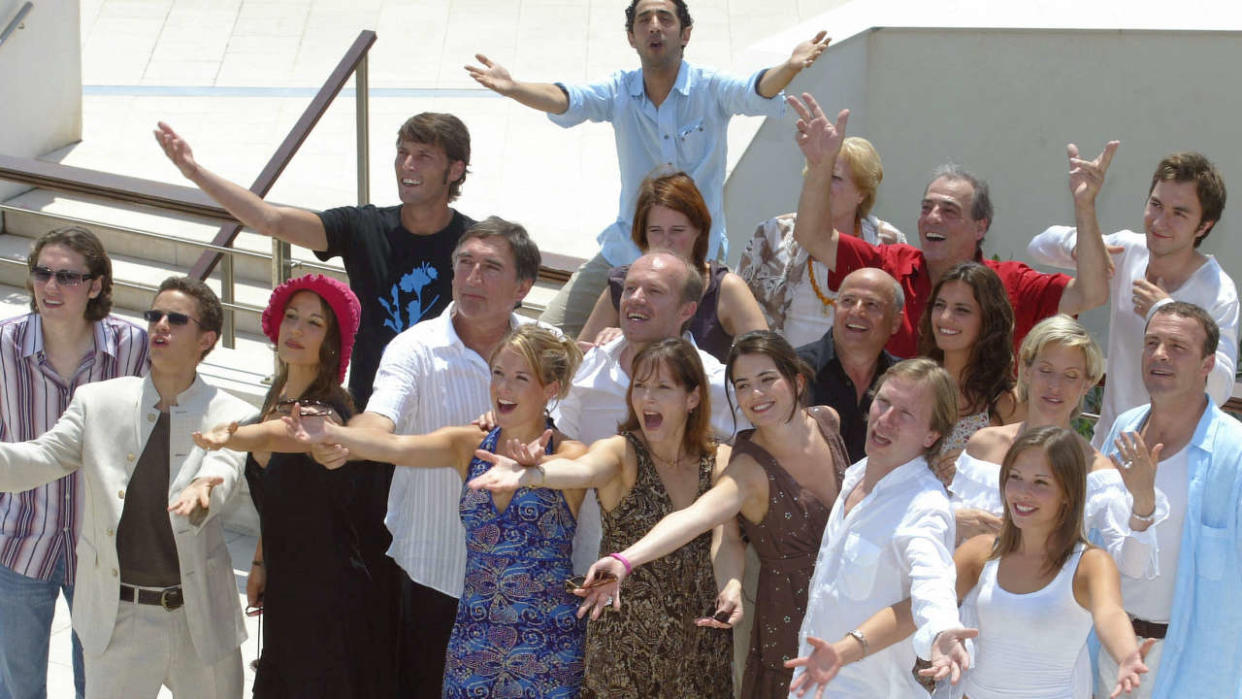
{"x":103,"y":432}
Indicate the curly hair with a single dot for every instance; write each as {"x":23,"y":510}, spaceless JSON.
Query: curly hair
{"x":989,"y":371}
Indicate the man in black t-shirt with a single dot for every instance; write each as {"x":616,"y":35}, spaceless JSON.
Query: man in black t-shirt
{"x":397,"y":258}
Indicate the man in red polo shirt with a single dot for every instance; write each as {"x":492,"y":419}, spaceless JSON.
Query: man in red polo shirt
{"x":956,"y":214}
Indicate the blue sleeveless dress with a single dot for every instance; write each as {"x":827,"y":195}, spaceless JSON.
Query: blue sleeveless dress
{"x":517,"y":633}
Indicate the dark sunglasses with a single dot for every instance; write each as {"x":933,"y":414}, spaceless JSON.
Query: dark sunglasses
{"x":64,"y":277}
{"x":174,"y":318}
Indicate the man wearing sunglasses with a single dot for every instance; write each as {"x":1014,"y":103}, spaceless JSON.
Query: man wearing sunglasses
{"x":156,"y":603}
{"x":67,"y":340}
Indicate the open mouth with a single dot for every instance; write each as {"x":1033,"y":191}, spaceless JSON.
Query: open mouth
{"x":856,"y":328}
{"x":934,"y":237}
{"x":948,"y":331}
{"x":159,"y":340}
{"x":652,"y":421}
{"x":411,"y":181}
{"x":1022,"y":510}
{"x":761,"y":408}
{"x":504,"y":407}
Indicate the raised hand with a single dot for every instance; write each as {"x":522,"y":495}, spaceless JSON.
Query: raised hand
{"x":196,"y":497}
{"x":177,"y":150}
{"x":1087,"y":176}
{"x":216,"y":438}
{"x":505,"y":475}
{"x":949,"y":657}
{"x":529,"y":454}
{"x":729,"y":610}
{"x":492,"y":75}
{"x":606,"y":335}
{"x":602,"y":587}
{"x":1146,"y":294}
{"x":805,"y":53}
{"x":818,"y":139}
{"x":1137,"y":467}
{"x":486,"y":421}
{"x":1129,"y":670}
{"x":821,"y":666}
{"x":330,"y":456}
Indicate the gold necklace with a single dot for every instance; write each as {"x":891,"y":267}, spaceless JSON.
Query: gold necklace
{"x":827,"y":302}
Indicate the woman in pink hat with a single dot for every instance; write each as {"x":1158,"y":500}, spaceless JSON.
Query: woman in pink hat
{"x":324,"y":632}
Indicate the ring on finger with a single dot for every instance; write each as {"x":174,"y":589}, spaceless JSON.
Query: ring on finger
{"x":1126,"y":466}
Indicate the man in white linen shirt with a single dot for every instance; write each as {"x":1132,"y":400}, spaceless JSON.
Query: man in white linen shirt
{"x":660,"y":295}
{"x":889,"y":537}
{"x":1185,"y":200}
{"x":433,"y":375}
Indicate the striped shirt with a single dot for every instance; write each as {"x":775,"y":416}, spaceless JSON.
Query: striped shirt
{"x":429,"y":379}
{"x":40,"y":527}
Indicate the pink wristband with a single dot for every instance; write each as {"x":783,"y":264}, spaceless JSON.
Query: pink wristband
{"x":628,"y":568}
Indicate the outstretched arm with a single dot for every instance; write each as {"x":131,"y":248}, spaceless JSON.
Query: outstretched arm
{"x":1097,"y":587}
{"x":546,"y":97}
{"x":804,"y":54}
{"x":820,"y":142}
{"x":599,"y":467}
{"x":447,"y":446}
{"x":1089,"y":288}
{"x":260,"y":437}
{"x":296,"y":226}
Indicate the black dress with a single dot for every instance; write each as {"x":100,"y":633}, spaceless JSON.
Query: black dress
{"x":327,"y":629}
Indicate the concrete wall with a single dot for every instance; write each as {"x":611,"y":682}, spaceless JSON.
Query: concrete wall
{"x":1004,"y":102}
{"x":40,"y":81}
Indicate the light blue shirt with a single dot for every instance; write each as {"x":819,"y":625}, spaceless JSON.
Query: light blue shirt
{"x":1202,"y":654}
{"x":687,"y":132}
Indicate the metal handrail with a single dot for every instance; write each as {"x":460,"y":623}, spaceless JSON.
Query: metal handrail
{"x":354,"y":57}
{"x":16,"y":23}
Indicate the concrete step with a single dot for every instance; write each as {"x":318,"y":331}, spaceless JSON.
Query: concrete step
{"x":120,"y":225}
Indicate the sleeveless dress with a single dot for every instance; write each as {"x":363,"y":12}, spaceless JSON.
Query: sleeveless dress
{"x":651,"y":649}
{"x":963,"y":429}
{"x":1029,"y":644}
{"x":705,"y":325}
{"x":787,"y":542}
{"x":517,"y":633}
{"x":325,"y":631}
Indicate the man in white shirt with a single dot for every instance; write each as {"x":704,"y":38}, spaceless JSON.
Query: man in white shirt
{"x":1191,"y":605}
{"x":889,"y":537}
{"x":433,"y":375}
{"x":1184,"y":202}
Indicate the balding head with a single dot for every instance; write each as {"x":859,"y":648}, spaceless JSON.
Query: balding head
{"x":660,"y":294}
{"x":869,"y":304}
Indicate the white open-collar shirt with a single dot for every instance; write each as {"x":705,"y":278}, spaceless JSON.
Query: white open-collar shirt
{"x":895,"y":543}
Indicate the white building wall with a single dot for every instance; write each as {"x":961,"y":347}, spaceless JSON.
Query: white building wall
{"x":40,"y":81}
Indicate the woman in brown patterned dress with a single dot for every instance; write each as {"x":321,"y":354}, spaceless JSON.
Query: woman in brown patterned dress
{"x":782,"y":479}
{"x":661,"y":462}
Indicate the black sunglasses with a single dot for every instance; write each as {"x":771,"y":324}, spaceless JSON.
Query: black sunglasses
{"x":155,"y":315}
{"x":64,"y":277}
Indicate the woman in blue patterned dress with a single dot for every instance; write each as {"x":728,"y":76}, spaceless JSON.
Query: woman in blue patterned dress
{"x":517,"y":633}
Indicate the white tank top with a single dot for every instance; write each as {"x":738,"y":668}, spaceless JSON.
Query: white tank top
{"x":1029,"y":644}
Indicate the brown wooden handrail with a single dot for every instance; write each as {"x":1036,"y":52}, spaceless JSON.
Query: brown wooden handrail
{"x":289,"y":147}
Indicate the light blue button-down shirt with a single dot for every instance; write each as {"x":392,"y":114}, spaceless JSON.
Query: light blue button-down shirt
{"x":1202,"y":654}
{"x":687,"y":132}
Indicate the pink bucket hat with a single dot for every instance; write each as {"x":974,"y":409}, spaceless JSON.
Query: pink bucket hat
{"x":339,"y":297}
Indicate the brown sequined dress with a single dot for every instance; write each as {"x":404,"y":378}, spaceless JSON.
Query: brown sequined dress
{"x":651,"y":648}
{"x":787,"y":542}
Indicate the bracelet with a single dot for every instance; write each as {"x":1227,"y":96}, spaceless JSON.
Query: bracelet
{"x":1145,"y":519}
{"x":628,"y":568}
{"x":858,"y":635}
{"x":256,"y":563}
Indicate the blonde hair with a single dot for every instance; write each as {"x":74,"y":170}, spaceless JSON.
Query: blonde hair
{"x":944,"y":393}
{"x":1060,"y":330}
{"x":866,"y":170}
{"x":551,"y":356}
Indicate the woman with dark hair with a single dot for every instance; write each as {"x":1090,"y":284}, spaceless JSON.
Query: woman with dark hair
{"x":782,"y":479}
{"x":671,"y":215}
{"x":325,"y":634}
{"x":662,"y":460}
{"x":968,"y":329}
{"x":1035,"y":590}
{"x":516,"y":631}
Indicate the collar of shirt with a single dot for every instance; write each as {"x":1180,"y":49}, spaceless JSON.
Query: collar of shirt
{"x":638,"y":86}
{"x":905,"y":473}
{"x":33,"y":344}
{"x":451,"y":340}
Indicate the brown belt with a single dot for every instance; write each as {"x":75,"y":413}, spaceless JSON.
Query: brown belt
{"x":169,"y":598}
{"x":1148,"y":629}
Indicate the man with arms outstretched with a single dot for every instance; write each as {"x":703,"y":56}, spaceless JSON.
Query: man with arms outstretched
{"x":668,"y":113}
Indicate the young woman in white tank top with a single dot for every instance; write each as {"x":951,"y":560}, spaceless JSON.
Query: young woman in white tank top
{"x":1035,"y":590}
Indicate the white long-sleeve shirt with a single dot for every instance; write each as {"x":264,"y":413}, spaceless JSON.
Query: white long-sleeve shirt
{"x":895,"y":543}
{"x":1209,"y":287}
